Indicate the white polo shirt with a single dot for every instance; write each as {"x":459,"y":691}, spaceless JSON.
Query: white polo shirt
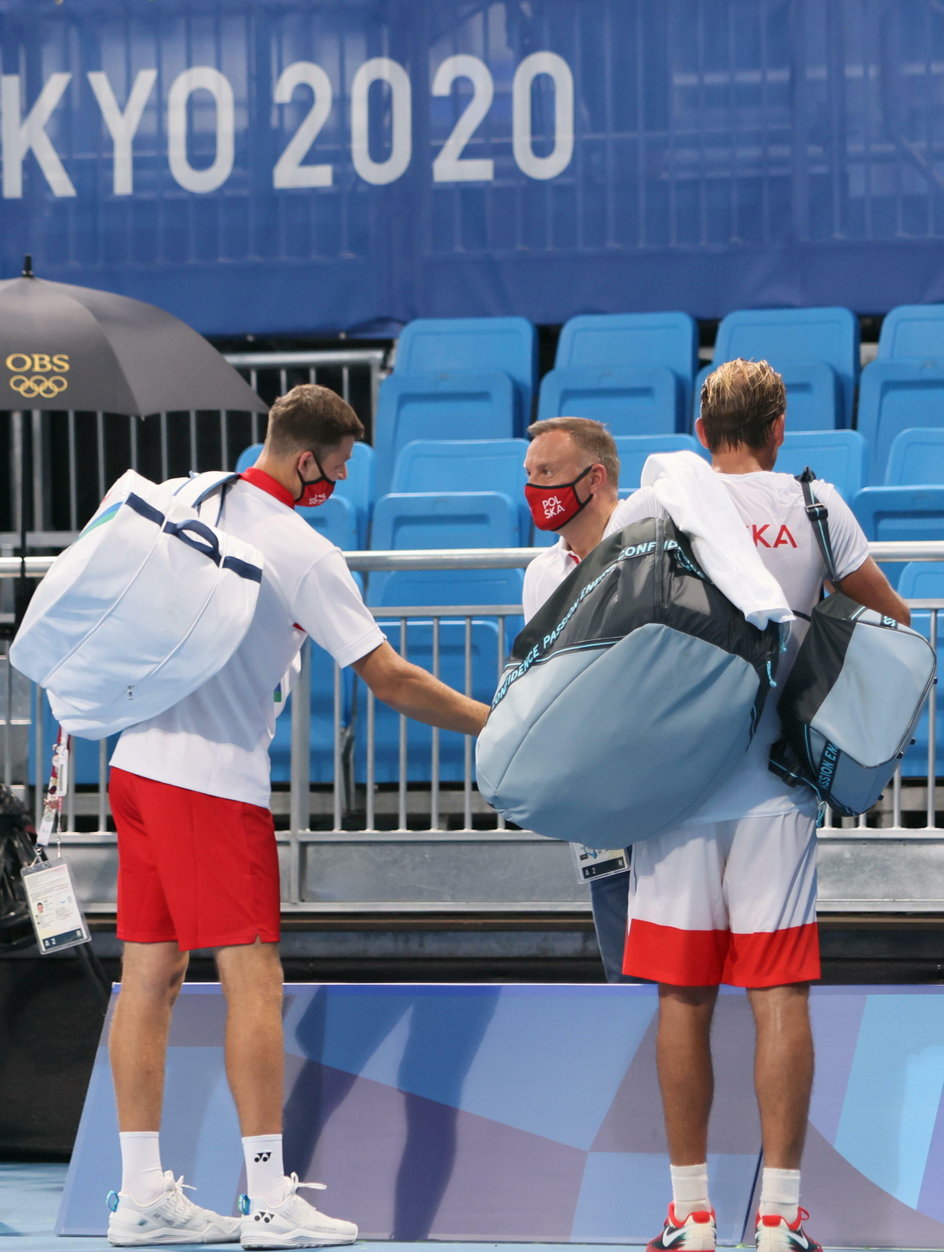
{"x":216,"y":740}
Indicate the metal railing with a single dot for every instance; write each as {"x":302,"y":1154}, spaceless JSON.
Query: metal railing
{"x":407,"y":831}
{"x":76,"y":456}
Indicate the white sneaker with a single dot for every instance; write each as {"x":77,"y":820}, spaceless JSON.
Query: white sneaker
{"x":294,"y":1223}
{"x":171,"y":1218}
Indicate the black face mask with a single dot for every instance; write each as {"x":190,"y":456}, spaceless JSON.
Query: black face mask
{"x":314,"y":491}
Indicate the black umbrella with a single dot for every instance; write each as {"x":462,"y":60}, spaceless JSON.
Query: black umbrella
{"x":66,"y":347}
{"x":74,"y":348}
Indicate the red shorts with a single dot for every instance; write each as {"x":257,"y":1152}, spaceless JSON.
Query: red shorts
{"x":193,"y":869}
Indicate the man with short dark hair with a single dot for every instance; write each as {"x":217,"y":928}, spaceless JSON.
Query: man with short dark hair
{"x":573,"y":474}
{"x":729,"y":896}
{"x":198,"y":866}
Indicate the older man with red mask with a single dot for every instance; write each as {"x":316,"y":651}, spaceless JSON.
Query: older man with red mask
{"x":573,"y":472}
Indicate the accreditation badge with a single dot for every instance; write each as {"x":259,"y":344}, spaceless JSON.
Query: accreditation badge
{"x":599,"y":862}
{"x":54,"y":909}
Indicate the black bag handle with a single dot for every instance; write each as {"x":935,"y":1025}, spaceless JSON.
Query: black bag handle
{"x":818,"y":515}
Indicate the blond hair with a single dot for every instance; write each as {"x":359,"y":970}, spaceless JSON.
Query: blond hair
{"x":739,"y":402}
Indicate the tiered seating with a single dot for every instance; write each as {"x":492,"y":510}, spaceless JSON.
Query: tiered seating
{"x":436,"y":345}
{"x":466,"y":656}
{"x":894,"y":396}
{"x":913,"y":332}
{"x":634,"y":450}
{"x":816,"y":350}
{"x":916,"y":456}
{"x":924,"y":580}
{"x":838,"y":456}
{"x":632,"y":371}
{"x":446,"y":465}
{"x":464,"y":378}
{"x":904,"y":386}
{"x":900,"y":513}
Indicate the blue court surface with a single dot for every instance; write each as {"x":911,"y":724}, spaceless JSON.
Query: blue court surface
{"x":30,"y":1196}
{"x":482,"y":1116}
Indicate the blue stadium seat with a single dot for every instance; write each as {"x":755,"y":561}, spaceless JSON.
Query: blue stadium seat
{"x":900,"y":513}
{"x":635,"y":449}
{"x":893,"y":396}
{"x":435,"y":345}
{"x":439,"y":406}
{"x":441,"y":465}
{"x":630,"y":401}
{"x":814,"y":395}
{"x":430,"y":520}
{"x":924,"y":580}
{"x":913,"y":332}
{"x":838,"y":456}
{"x":456,"y":654}
{"x":793,"y":338}
{"x":633,"y":340}
{"x":358,"y":489}
{"x":458,"y":519}
{"x":468,"y":519}
{"x":336,"y":519}
{"x":248,"y":457}
{"x":916,"y":456}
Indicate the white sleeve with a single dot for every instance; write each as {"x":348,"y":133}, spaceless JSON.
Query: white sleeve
{"x":847,"y":538}
{"x":537,"y":587}
{"x":328,"y":605}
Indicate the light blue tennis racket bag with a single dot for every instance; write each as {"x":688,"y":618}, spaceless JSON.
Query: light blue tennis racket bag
{"x":628,"y":696}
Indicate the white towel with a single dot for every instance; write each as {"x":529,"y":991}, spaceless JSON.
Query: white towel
{"x":689,"y":491}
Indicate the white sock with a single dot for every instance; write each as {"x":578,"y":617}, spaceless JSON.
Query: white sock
{"x":689,"y":1189}
{"x":141,"y":1173}
{"x":779,"y":1193}
{"x":265,"y":1173}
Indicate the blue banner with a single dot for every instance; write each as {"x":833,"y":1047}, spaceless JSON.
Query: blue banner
{"x":325,"y":165}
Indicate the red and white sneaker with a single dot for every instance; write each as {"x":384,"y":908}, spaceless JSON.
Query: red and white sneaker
{"x":696,"y":1233}
{"x":776,"y":1234}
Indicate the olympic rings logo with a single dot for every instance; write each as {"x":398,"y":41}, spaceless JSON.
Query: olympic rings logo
{"x":38,"y":386}
{"x":38,"y":374}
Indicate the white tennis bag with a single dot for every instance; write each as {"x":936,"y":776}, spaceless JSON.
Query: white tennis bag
{"x":146,"y":605}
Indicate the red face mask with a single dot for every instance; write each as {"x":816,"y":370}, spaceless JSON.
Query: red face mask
{"x":314,"y":490}
{"x":554,"y":507}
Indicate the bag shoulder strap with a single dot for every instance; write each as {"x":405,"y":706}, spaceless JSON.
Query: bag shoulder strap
{"x":200,"y":487}
{"x":818,"y":516}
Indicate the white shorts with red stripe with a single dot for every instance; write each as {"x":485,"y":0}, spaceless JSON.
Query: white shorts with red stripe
{"x":726,"y":902}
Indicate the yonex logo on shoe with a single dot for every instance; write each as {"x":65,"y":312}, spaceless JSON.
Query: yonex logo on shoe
{"x":261,"y":1156}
